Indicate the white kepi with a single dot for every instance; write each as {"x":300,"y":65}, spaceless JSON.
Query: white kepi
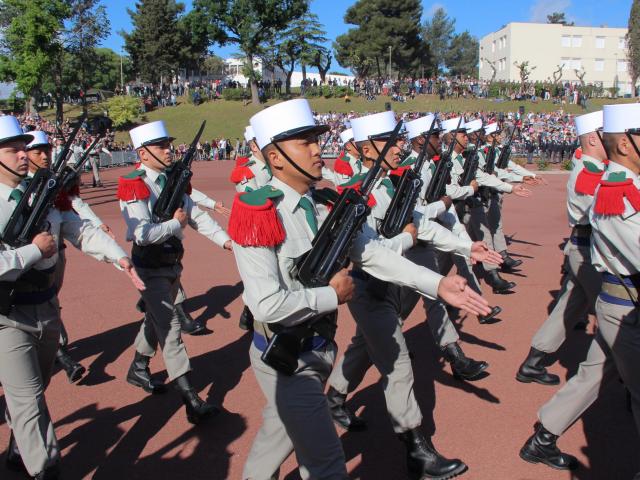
{"x":373,"y":126}
{"x":40,"y":139}
{"x":149,"y":134}
{"x":453,"y":125}
{"x":621,"y":118}
{"x":421,"y":126}
{"x":473,"y":125}
{"x":490,"y":128}
{"x":346,"y":136}
{"x":284,"y":120}
{"x":10,"y":130}
{"x":248,"y":134}
{"x":589,"y":122}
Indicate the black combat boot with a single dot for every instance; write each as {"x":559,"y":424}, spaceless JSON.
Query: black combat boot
{"x":140,"y":376}
{"x":487,"y":318}
{"x":246,"y":319}
{"x":499,"y":284}
{"x":532,"y":370}
{"x":74,"y":370}
{"x":508,"y":263}
{"x":462,"y":367}
{"x":13,"y":460}
{"x":423,"y":461}
{"x":197,"y":409}
{"x":341,"y":415}
{"x":187,"y":324}
{"x":541,"y":448}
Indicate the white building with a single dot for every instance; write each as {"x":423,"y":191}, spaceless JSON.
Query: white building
{"x":599,"y":52}
{"x":235,"y":67}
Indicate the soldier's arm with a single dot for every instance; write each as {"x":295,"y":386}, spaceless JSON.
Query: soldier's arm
{"x":141,"y":229}
{"x":89,"y":238}
{"x":202,"y":200}
{"x":84,"y":210}
{"x":13,"y":263}
{"x":200,"y":221}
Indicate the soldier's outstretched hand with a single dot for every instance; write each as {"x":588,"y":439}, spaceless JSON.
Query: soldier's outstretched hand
{"x":129,"y":269}
{"x":521,"y":191}
{"x":455,"y":291}
{"x":480,"y":252}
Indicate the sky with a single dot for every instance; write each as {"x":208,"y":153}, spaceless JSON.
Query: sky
{"x":478,"y":17}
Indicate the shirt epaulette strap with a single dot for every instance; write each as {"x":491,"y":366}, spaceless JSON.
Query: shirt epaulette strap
{"x":132,"y":186}
{"x":612,"y":192}
{"x":588,"y":179}
{"x":254,"y":221}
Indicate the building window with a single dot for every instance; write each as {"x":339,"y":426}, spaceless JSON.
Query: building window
{"x":622,"y":65}
{"x":576,"y":63}
{"x":565,"y":62}
{"x":599,"y":42}
{"x":576,"y":41}
{"x":504,"y":42}
{"x":566,"y":41}
{"x":480,"y":64}
{"x":493,"y":46}
{"x":599,"y":65}
{"x":622,"y":43}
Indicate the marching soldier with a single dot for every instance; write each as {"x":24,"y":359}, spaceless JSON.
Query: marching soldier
{"x":29,"y":308}
{"x":581,"y":285}
{"x":252,"y":173}
{"x":615,"y":348}
{"x":272,"y":227}
{"x":347,"y":164}
{"x":157,"y":253}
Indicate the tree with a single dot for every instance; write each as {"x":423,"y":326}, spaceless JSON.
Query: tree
{"x":194,"y":44}
{"x":462,"y":55}
{"x":308,"y":32}
{"x":438,"y":34}
{"x":558,"y":17}
{"x":494,"y":70}
{"x":382,"y":27}
{"x":31,"y":42}
{"x":106,"y":74}
{"x":525,"y":71}
{"x":580,"y":74}
{"x":88,"y":26}
{"x":156,"y":42}
{"x":557,"y":74}
{"x":322,"y":61}
{"x":248,"y":24}
{"x":633,"y":44}
{"x":214,"y":65}
{"x":123,"y":110}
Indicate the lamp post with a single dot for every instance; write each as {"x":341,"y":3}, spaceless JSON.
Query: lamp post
{"x":121,"y":73}
{"x":389,"y":62}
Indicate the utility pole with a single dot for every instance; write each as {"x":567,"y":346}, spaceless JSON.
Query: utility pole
{"x":389,"y":62}
{"x":121,"y":73}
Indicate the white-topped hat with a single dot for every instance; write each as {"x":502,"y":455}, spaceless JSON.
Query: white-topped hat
{"x":148,"y":134}
{"x":473,"y":125}
{"x":249,"y":134}
{"x":346,"y":136}
{"x":421,"y":126}
{"x":451,"y":125}
{"x":620,"y":118}
{"x":39,"y":139}
{"x":490,"y":128}
{"x":10,"y":130}
{"x":372,"y":126}
{"x":284,"y":120}
{"x":588,"y":123}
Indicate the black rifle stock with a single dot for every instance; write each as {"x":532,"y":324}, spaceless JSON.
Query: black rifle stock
{"x":490,"y":161}
{"x":178,"y":178}
{"x":403,"y":203}
{"x":62,"y":155}
{"x":470,"y":167}
{"x":442,"y":174}
{"x":505,"y":153}
{"x":330,"y":247}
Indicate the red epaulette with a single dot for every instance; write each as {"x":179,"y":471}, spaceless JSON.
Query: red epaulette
{"x":588,"y":179}
{"x":578,"y":153}
{"x":132,"y":187}
{"x":254,"y":220}
{"x":241,"y":161}
{"x":63,"y":202}
{"x":609,"y":199}
{"x":356,"y":184}
{"x":343,"y":167}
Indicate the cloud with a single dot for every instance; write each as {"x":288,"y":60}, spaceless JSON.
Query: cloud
{"x":432,"y":9}
{"x":541,"y":8}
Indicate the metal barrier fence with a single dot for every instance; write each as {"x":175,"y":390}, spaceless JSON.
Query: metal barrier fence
{"x":118,"y":159}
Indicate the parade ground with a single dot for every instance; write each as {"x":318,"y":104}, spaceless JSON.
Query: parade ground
{"x":109,"y":429}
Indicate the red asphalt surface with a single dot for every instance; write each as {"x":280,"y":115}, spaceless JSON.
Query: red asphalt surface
{"x":108,"y":429}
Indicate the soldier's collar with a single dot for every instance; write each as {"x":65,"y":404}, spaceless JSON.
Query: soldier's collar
{"x":5,"y":190}
{"x":616,"y":168}
{"x":595,"y":161}
{"x":150,"y":173}
{"x":291,"y":198}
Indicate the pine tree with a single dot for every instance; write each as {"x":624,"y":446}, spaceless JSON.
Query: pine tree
{"x":633,"y":44}
{"x":155,"y":43}
{"x":462,"y":55}
{"x":438,"y":33}
{"x":381,"y":27}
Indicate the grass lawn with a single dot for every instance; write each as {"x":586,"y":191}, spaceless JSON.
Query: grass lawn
{"x":228,"y":119}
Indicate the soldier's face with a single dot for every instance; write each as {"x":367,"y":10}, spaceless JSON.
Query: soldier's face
{"x":462,"y":139}
{"x":255,"y":150}
{"x":392,"y":158}
{"x":13,"y":155}
{"x":351,"y":148}
{"x":156,"y":157}
{"x":304,"y":151}
{"x":39,"y":157}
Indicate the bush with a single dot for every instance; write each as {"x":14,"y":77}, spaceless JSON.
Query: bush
{"x":567,"y":164}
{"x":235,"y":94}
{"x":123,"y":110}
{"x":543,"y":164}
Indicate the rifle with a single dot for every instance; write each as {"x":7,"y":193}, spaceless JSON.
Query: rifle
{"x":178,"y":179}
{"x":490,"y":162}
{"x":403,"y":203}
{"x":505,"y":153}
{"x":330,"y":247}
{"x":470,"y":167}
{"x":62,"y":155}
{"x":29,"y":217}
{"x":442,"y":175}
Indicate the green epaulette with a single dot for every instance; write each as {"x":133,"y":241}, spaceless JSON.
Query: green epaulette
{"x":139,"y":172}
{"x":260,"y":196}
